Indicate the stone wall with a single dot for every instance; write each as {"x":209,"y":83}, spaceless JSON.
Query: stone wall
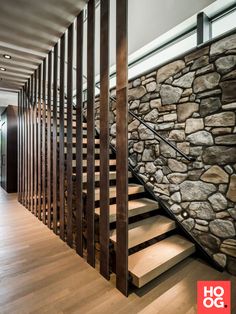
{"x":191,"y":102}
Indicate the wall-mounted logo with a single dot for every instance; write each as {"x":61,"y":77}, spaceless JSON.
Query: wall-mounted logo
{"x":213,"y":297}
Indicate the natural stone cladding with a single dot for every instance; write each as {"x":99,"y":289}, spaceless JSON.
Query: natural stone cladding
{"x":192,"y":103}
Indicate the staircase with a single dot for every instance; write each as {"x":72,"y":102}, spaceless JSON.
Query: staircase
{"x":155,"y":244}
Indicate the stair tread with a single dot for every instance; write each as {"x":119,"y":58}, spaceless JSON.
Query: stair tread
{"x":132,"y":189}
{"x":96,"y":141}
{"x":112,"y":162}
{"x":135,"y":207}
{"x":96,"y":150}
{"x":152,"y":261}
{"x":112,"y":175}
{"x":146,"y":229}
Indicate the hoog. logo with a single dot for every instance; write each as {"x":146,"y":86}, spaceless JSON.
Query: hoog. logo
{"x":213,"y":297}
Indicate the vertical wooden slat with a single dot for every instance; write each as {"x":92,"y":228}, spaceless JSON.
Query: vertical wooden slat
{"x":35,"y":143}
{"x":49,"y":95}
{"x":79,"y":136}
{"x":69,"y":134}
{"x":39,"y":146}
{"x":28,"y":144}
{"x":54,"y":153}
{"x":19,"y":147}
{"x":24,"y":148}
{"x":61,"y":140}
{"x":31,"y":146}
{"x":44,"y":143}
{"x":104,"y":138}
{"x":122,"y":146}
{"x":90,"y":133}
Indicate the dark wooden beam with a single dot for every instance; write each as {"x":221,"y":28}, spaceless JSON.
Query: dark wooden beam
{"x":69,"y":134}
{"x":54,"y":139}
{"x":39,"y":146}
{"x":49,"y":140}
{"x":61,"y":143}
{"x":23,"y":143}
{"x":122,"y":145}
{"x":104,"y":138}
{"x":79,"y":135}
{"x":28,"y":143}
{"x":31,"y":146}
{"x":20,"y":146}
{"x":35,"y":142}
{"x":44,"y":175}
{"x":90,"y":133}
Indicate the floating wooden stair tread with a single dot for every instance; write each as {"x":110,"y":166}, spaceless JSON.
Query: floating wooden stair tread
{"x":112,"y":176}
{"x":135,"y":207}
{"x":96,"y":140}
{"x":112,"y":162}
{"x":132,"y":189}
{"x":146,"y":229}
{"x":73,"y":132}
{"x":96,"y":150}
{"x":65,"y":128}
{"x":154,"y":260}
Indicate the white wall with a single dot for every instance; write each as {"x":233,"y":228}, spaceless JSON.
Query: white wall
{"x":147,"y":19}
{"x":7,"y":98}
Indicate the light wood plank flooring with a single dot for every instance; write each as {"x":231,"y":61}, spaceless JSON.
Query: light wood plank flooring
{"x":39,"y":273}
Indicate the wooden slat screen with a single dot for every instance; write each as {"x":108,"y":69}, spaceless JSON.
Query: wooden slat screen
{"x":58,"y":143}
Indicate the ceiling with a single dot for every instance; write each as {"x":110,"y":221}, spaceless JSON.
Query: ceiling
{"x":28,"y":30}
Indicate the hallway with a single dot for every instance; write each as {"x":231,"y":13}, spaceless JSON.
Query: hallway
{"x":41,"y":274}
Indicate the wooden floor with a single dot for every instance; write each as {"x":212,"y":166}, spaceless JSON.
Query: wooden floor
{"x":40,"y":274}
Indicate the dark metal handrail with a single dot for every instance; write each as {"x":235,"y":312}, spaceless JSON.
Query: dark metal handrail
{"x":148,"y":127}
{"x":154,"y":131}
{"x":161,"y":137}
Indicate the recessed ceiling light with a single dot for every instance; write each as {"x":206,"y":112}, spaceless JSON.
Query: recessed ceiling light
{"x":2,"y":69}
{"x":7,"y":56}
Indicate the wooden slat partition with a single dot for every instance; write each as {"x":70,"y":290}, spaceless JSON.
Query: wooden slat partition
{"x":45,"y":164}
{"x":54,"y":152}
{"x":35,"y":142}
{"x":79,"y":135}
{"x":69,"y":134}
{"x":44,"y":142}
{"x":122,"y":145}
{"x":61,"y":139}
{"x":49,"y":96}
{"x":104,"y":138}
{"x":39,"y":146}
{"x":90,"y":133}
